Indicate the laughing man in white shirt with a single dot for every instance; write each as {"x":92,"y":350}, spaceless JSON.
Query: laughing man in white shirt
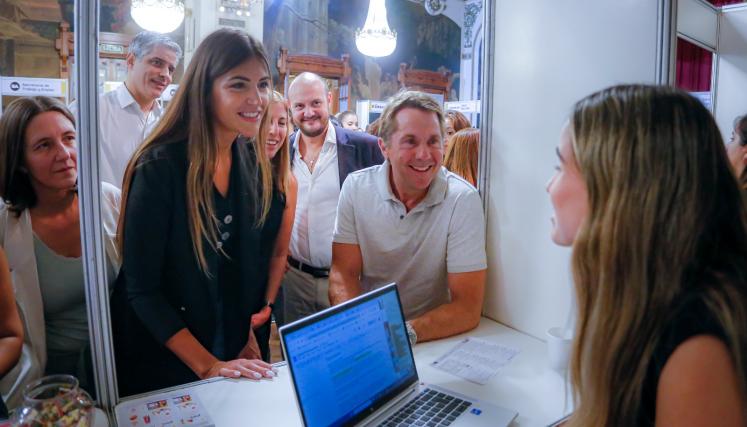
{"x":412,"y":222}
{"x":129,"y":113}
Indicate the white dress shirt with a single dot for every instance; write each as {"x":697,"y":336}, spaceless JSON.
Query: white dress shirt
{"x":124,"y":126}
{"x":316,"y":207}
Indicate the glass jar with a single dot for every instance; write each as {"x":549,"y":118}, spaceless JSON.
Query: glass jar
{"x":54,"y":401}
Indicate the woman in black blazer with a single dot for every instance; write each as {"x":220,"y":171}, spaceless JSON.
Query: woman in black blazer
{"x":197,"y":207}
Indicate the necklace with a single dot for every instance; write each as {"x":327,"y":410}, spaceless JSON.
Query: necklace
{"x":310,"y":161}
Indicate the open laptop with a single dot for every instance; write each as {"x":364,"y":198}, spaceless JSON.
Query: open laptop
{"x":352,"y":365}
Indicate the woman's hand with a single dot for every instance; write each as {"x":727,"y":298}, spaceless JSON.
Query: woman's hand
{"x":260,"y":318}
{"x":254,"y":369}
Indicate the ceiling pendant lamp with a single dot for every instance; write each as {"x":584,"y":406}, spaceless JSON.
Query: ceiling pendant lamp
{"x":375,"y":38}
{"x":161,"y":16}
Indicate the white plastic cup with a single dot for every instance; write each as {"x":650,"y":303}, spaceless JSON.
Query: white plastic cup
{"x":559,"y":342}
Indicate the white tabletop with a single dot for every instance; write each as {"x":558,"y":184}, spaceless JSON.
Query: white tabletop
{"x":526,"y":385}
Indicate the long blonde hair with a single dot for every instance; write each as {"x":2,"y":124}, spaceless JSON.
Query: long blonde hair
{"x":462,"y":154}
{"x":666,"y":220}
{"x":189,"y":117}
{"x":281,"y":162}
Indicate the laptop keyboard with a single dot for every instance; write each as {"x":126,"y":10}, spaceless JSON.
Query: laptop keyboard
{"x":430,"y":408}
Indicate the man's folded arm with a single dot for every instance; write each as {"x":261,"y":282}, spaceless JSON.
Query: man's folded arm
{"x":461,"y":314}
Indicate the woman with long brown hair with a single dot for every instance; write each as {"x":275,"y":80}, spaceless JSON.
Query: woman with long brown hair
{"x":645,"y":196}
{"x":462,"y":154}
{"x":197,"y":208}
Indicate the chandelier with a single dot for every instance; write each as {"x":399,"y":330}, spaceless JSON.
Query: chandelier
{"x":375,"y":38}
{"x":161,"y":16}
{"x":238,"y":7}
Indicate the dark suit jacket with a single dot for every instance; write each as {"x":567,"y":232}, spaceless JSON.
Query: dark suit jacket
{"x":355,"y":151}
{"x":161,"y":289}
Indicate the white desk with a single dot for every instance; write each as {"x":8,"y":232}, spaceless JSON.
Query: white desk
{"x":526,"y":385}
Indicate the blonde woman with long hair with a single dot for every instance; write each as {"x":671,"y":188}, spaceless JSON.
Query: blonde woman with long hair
{"x":645,"y":196}
{"x":197,"y":211}
{"x":274,"y":133}
{"x":462,"y":154}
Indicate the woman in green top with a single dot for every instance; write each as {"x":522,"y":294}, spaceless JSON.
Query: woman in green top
{"x":40,"y":232}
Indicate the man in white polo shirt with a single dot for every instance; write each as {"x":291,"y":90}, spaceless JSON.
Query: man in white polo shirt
{"x":412,"y":222}
{"x":129,"y":113}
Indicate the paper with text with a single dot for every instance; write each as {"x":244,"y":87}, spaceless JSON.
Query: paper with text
{"x":475,"y":359}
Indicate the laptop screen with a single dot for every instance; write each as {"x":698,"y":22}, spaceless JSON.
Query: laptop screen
{"x":350,"y":360}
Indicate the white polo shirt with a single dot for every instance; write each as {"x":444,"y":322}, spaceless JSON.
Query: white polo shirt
{"x":444,"y":233}
{"x":318,"y":193}
{"x":124,"y":126}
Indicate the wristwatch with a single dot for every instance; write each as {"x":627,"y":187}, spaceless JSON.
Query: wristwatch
{"x":270,"y":304}
{"x":411,"y":334}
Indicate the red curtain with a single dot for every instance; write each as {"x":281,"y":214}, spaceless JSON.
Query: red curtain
{"x":724,"y":2}
{"x":694,"y":65}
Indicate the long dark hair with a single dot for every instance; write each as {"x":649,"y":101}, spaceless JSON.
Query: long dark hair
{"x":190,"y":117}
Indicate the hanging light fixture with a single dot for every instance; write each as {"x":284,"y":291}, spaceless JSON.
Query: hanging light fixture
{"x":161,"y":16}
{"x":375,"y":38}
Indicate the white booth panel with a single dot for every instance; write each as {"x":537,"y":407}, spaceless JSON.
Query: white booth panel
{"x":698,"y":21}
{"x":547,"y":56}
{"x":731,"y":81}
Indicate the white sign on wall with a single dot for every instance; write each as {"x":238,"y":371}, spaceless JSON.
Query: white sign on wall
{"x":376,"y":106}
{"x":368,"y":110}
{"x":463,"y":106}
{"x":27,"y":86}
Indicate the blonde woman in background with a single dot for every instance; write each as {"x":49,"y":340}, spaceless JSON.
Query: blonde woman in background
{"x":274,"y":132}
{"x":454,"y":121}
{"x":645,"y":196}
{"x":462,"y":154}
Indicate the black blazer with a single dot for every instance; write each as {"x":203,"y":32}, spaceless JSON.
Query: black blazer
{"x":161,"y":288}
{"x":355,"y":151}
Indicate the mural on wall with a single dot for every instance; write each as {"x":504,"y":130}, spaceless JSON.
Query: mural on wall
{"x":328,"y":29}
{"x":28,"y":30}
